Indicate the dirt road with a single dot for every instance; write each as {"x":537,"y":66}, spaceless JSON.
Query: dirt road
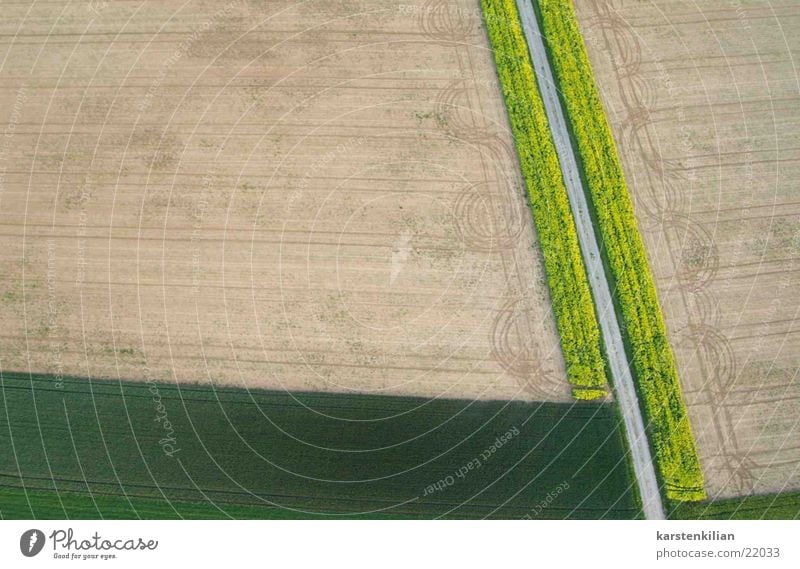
{"x":618,"y":362}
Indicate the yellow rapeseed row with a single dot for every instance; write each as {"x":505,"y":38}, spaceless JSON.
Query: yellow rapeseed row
{"x":643,"y":325}
{"x":566,"y":274}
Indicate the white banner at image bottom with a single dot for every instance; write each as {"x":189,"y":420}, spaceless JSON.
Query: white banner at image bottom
{"x":398,"y":544}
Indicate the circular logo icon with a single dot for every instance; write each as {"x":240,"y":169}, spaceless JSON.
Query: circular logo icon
{"x":31,"y":542}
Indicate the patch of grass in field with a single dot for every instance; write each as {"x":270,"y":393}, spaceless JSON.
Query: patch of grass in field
{"x":569,"y":287}
{"x":784,"y":506}
{"x":643,"y":327}
{"x":275,"y":454}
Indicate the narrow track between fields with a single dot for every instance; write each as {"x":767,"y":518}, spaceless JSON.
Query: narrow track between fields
{"x":624,"y":389}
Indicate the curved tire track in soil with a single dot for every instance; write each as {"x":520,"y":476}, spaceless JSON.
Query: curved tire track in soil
{"x":443,"y":21}
{"x":456,"y":116}
{"x":470,"y":224}
{"x":520,"y":357}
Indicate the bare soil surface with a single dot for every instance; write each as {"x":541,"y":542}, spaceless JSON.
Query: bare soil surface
{"x":704,"y":101}
{"x":311,"y":195}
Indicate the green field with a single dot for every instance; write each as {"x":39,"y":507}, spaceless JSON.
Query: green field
{"x":269,"y":454}
{"x":16,"y":503}
{"x":773,"y":507}
{"x":643,"y":326}
{"x":566,"y":275}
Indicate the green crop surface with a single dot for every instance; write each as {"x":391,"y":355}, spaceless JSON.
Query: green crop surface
{"x":771,"y":507}
{"x":16,"y":503}
{"x":635,"y":294}
{"x":127,"y":450}
{"x":566,"y":274}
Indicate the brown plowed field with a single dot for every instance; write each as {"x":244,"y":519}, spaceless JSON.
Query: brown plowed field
{"x":295,"y":195}
{"x":704,"y":101}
